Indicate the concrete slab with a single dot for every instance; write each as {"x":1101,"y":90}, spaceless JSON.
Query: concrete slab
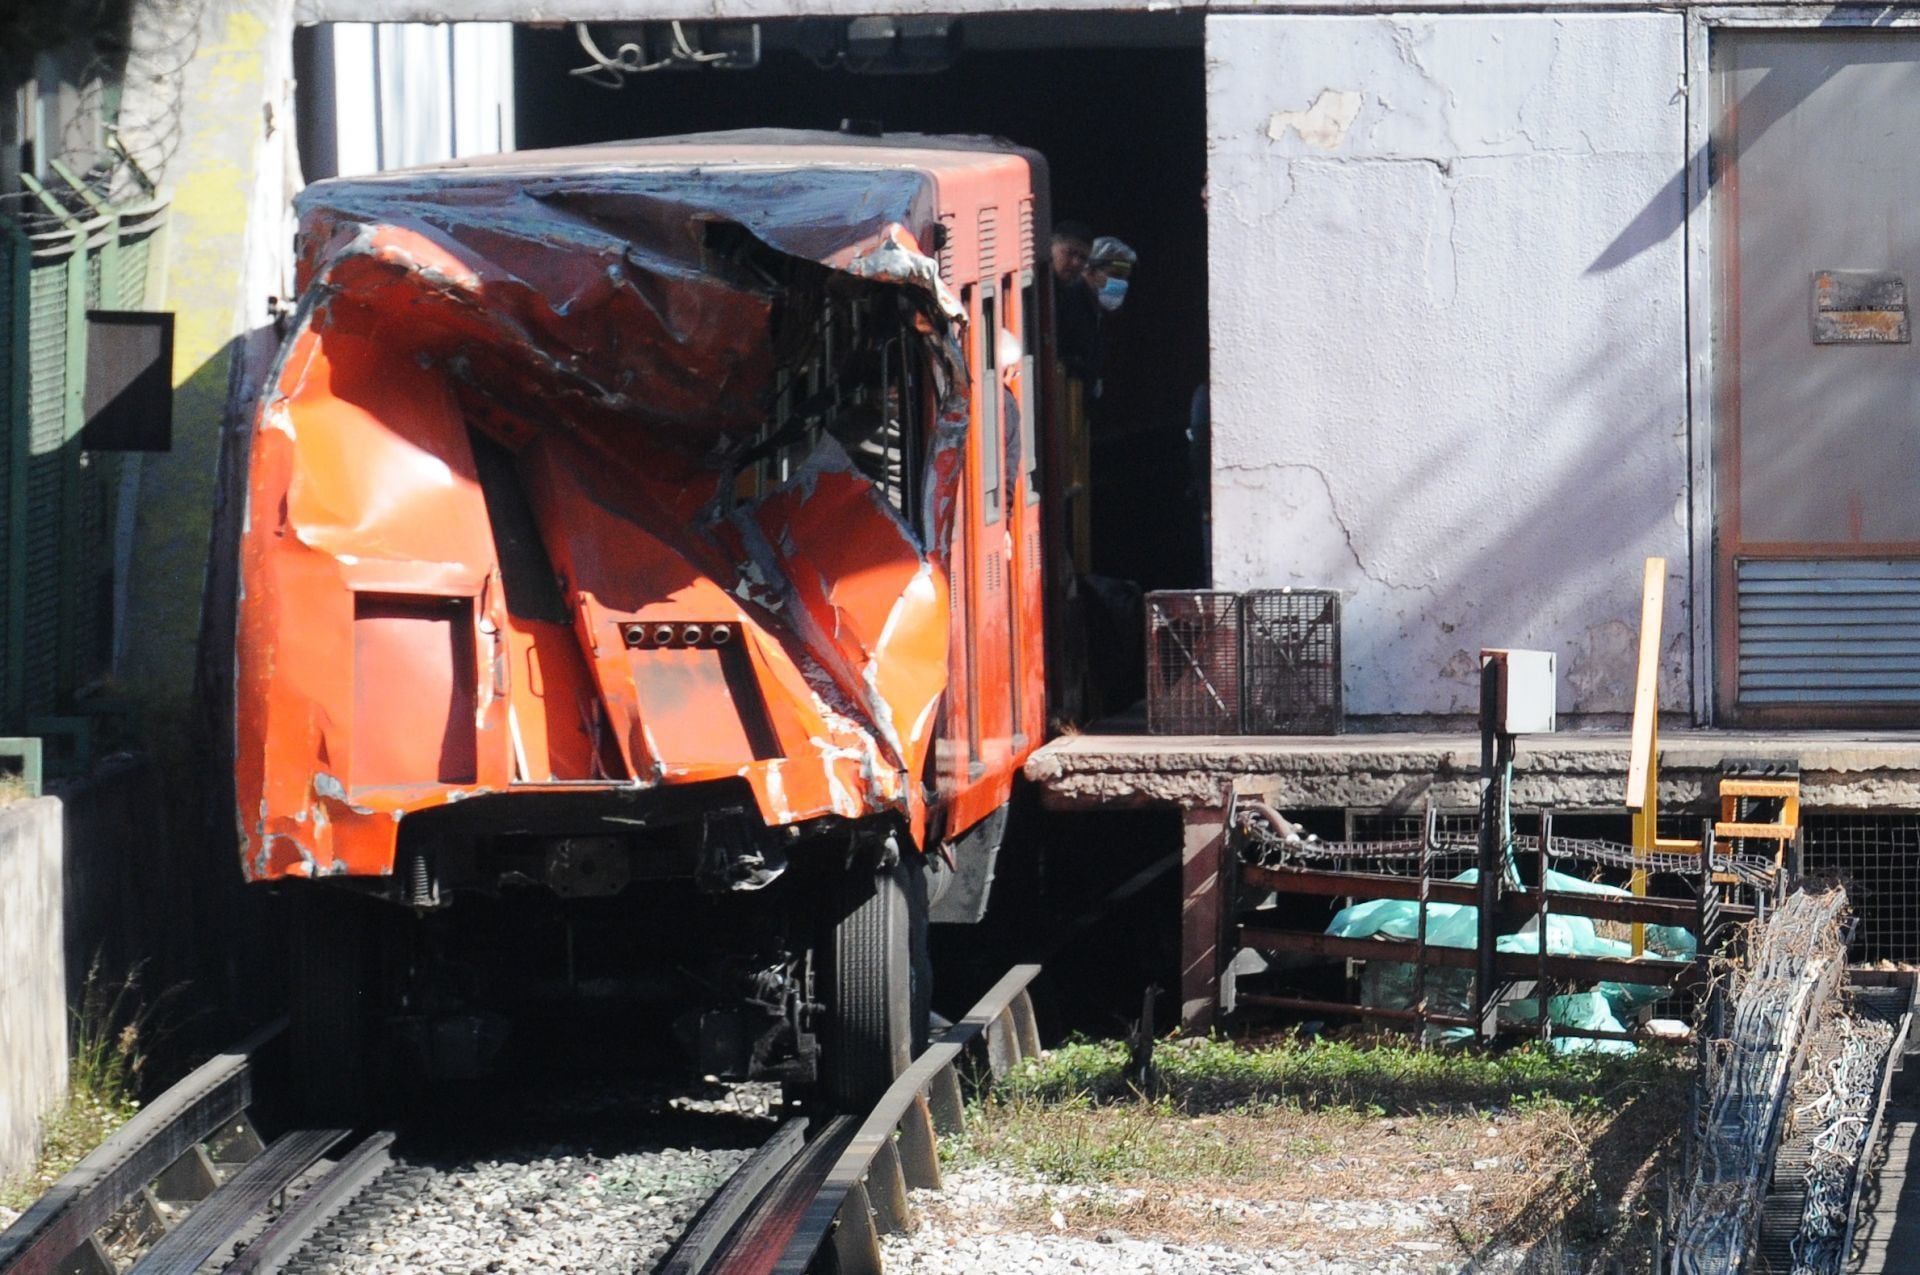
{"x":1577,"y":771}
{"x":33,"y":978}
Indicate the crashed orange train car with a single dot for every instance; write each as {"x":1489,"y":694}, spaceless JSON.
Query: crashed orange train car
{"x":646,"y":538}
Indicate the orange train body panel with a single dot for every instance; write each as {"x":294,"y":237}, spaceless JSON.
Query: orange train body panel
{"x":537,"y":500}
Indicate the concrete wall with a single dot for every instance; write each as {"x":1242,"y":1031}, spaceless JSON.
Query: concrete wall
{"x":1449,"y":364}
{"x":33,"y":977}
{"x":231,"y":180}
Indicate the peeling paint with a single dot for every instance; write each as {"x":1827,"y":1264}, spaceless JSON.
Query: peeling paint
{"x":1323,"y":125}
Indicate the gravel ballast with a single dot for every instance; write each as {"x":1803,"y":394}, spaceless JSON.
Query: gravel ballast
{"x":987,"y":1222}
{"x":546,"y":1213}
{"x":611,"y":1198}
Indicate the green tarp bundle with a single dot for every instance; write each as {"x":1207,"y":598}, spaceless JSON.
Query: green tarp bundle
{"x":1390,"y":984}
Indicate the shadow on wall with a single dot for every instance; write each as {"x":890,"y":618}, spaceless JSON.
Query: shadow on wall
{"x":1780,"y":90}
{"x":152,"y":884}
{"x":1565,"y":493}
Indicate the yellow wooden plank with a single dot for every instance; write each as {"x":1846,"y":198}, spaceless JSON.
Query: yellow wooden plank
{"x":1732,"y":787}
{"x":1766,"y":831}
{"x":1646,"y":687}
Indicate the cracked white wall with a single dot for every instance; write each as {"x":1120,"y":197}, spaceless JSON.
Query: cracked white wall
{"x":1449,"y":338}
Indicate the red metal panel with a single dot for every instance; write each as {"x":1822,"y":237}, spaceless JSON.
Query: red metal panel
{"x":413,"y":691}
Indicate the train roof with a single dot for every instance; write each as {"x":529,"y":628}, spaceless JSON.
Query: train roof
{"x":759,"y":148}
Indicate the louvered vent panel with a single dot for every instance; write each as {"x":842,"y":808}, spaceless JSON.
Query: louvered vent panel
{"x":47,"y":371}
{"x":1026,"y":234}
{"x":989,"y":242}
{"x":41,"y":660}
{"x":133,"y":273}
{"x":1840,"y":631}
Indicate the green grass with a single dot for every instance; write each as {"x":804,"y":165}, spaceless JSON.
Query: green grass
{"x":1375,"y":1076}
{"x":102,"y":1089}
{"x":1080,"y":1141}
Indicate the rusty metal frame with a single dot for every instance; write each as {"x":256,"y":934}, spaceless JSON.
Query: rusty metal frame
{"x":1705,"y":913}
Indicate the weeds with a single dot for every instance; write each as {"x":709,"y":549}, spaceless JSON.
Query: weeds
{"x":1379,"y":1077}
{"x":108,"y":1057}
{"x":1240,"y":1142}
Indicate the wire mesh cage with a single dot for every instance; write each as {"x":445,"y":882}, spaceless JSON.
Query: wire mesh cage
{"x":1877,"y":857}
{"x":1290,"y":663}
{"x":1193,"y":663}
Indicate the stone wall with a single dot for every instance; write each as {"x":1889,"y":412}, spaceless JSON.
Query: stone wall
{"x":33,"y":976}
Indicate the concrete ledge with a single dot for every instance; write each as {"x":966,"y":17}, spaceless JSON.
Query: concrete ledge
{"x":1839,"y":770}
{"x":33,"y":979}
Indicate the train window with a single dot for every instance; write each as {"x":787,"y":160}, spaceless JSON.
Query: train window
{"x":1029,"y":427}
{"x":991,"y":444}
{"x":856,"y":370}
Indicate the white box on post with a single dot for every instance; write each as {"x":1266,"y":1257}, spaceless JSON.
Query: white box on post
{"x":1524,"y":694}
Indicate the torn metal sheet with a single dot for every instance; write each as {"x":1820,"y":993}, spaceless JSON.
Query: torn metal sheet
{"x":615,"y":468}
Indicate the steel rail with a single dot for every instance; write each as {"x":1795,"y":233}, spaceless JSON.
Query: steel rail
{"x":723,"y":1214}
{"x":162,"y":1156}
{"x":1003,"y":1013}
{"x":220,"y":1216}
{"x":284,"y":1236}
{"x":65,"y":1218}
{"x":850,"y":1183}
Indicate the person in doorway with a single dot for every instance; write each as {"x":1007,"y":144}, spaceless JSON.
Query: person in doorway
{"x":1076,"y":311}
{"x":1109,"y":270}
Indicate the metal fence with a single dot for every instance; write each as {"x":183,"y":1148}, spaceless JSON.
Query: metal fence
{"x":1877,"y":857}
{"x":63,"y":251}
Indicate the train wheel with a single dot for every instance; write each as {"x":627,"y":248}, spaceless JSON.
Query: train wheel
{"x":874,"y":999}
{"x":330,"y":1029}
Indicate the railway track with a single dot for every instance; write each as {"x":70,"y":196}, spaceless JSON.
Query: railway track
{"x":189,"y":1183}
{"x":190,"y":1176}
{"x":833,"y":1195}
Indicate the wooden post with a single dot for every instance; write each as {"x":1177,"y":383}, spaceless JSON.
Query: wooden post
{"x":1203,"y":889}
{"x":1643,"y":764}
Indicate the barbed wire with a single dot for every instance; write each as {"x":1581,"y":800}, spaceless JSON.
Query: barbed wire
{"x":1790,"y":979}
{"x":120,"y":157}
{"x":1844,"y":1111}
{"x":1268,"y":847}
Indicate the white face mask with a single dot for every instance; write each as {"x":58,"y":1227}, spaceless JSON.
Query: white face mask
{"x":1113,"y":292}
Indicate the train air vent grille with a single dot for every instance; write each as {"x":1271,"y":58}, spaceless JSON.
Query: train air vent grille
{"x":989,"y":242}
{"x":1026,"y":234}
{"x":1831,"y":631}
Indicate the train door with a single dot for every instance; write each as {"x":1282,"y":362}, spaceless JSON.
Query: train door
{"x":992,"y":673}
{"x":1817,"y":248}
